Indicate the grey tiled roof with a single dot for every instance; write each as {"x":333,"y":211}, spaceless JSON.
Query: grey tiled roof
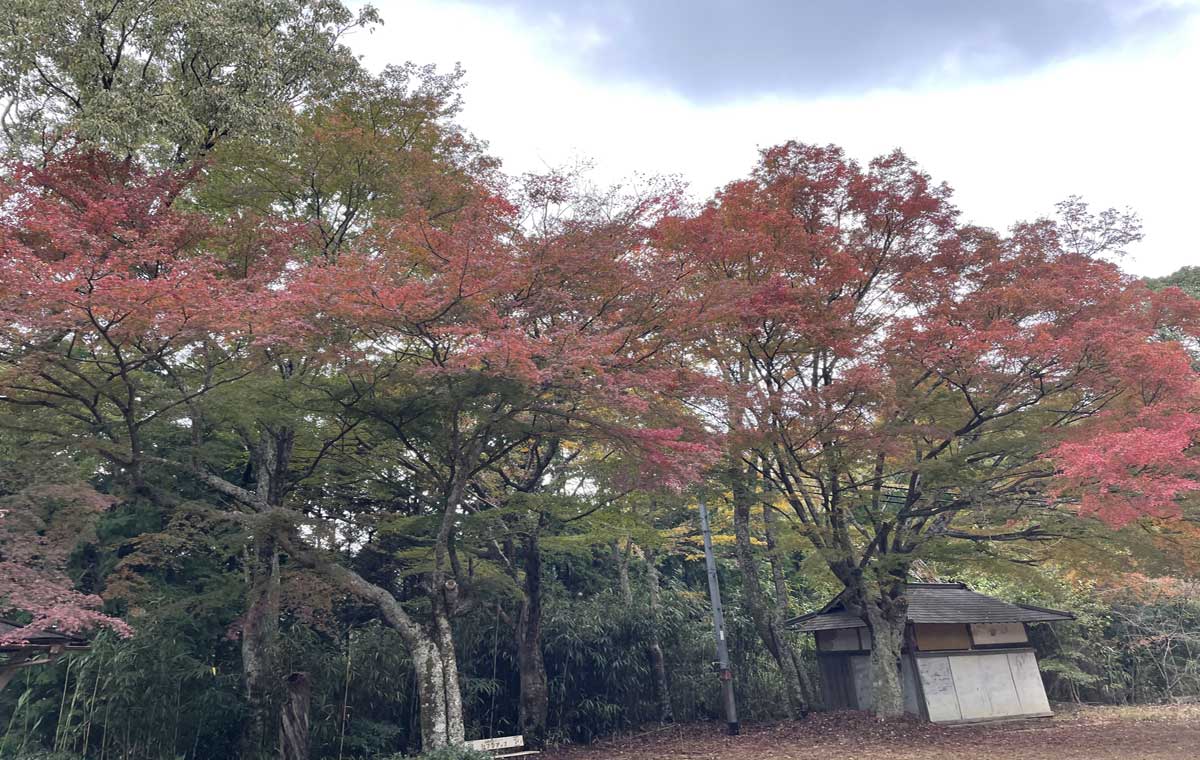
{"x":38,"y":639}
{"x":936,"y":603}
{"x":825,"y":621}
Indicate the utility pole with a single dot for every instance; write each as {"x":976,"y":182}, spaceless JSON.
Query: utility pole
{"x":714,"y":593}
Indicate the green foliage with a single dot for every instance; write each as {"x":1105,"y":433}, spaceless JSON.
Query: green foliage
{"x":307,"y":139}
{"x":1186,"y":279}
{"x":376,"y":148}
{"x":1128,"y":650}
{"x":173,"y":78}
{"x":175,"y":689}
{"x":162,"y":693}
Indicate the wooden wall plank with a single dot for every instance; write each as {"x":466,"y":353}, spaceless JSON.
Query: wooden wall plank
{"x":940,"y":697}
{"x":936,"y":637}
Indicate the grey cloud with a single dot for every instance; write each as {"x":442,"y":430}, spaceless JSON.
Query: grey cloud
{"x":720,"y":49}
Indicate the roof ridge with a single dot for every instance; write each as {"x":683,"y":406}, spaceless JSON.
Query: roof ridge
{"x":927,"y":604}
{"x":951,"y":584}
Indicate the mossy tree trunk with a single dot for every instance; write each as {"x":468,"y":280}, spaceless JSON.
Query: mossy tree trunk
{"x":534,"y":706}
{"x":767,"y":621}
{"x":658,"y":664}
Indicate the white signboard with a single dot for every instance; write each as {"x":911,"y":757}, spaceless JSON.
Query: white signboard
{"x":500,"y":742}
{"x":982,"y":686}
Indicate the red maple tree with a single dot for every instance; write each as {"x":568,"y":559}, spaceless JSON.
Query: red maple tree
{"x":117,"y":311}
{"x":39,"y":529}
{"x":897,"y":378}
{"x":486,"y":350}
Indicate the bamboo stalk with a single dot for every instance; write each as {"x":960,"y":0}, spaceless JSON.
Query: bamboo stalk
{"x":28,"y":732}
{"x":62,"y":704}
{"x":79,"y":681}
{"x":12,"y":719}
{"x":104,"y":729}
{"x":87,"y":732}
{"x":346,"y":693}
{"x":178,"y":697}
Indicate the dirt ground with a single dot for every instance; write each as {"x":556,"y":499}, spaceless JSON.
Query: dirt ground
{"x":1075,"y":733}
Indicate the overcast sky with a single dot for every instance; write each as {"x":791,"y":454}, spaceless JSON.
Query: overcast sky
{"x":1016,"y":103}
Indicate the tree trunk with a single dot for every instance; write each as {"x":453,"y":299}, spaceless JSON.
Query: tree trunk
{"x":887,"y":637}
{"x":781,"y":611}
{"x":766,"y":621}
{"x":293,"y":726}
{"x":270,"y":458}
{"x":621,"y":559}
{"x":431,"y":649}
{"x":657,"y":662}
{"x":437,"y":687}
{"x":534,"y":706}
{"x":885,"y":612}
{"x":431,"y":646}
{"x":259,"y":631}
{"x":437,"y":680}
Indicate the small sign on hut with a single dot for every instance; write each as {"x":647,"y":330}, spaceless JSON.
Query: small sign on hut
{"x":971,"y":653}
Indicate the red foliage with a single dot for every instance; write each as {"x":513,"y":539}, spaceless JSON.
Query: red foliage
{"x":105,"y":284}
{"x":92,"y":244}
{"x":583,"y":319}
{"x":107,"y":291}
{"x":850,"y":312}
{"x":851,"y":324}
{"x":39,"y":529}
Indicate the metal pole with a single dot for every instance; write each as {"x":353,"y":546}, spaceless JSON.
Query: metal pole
{"x":714,"y":593}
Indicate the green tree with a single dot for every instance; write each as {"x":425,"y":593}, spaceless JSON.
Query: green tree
{"x":1186,"y":279}
{"x":167,"y":79}
{"x":378,"y":148}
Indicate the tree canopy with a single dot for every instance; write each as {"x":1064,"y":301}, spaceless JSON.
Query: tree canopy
{"x":306,"y":408}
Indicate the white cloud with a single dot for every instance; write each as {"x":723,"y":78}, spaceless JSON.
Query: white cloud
{"x":1118,"y":128}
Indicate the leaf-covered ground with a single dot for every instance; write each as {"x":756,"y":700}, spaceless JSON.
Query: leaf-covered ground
{"x":1088,"y":733}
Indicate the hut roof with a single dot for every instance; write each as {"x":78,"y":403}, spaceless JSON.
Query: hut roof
{"x":38,"y":639}
{"x":935,"y":603}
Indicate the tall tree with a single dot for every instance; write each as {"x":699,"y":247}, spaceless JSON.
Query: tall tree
{"x":377,"y":148}
{"x":461,"y":349}
{"x":121,"y":313}
{"x":167,"y":80}
{"x":596,"y":282}
{"x":902,"y":380}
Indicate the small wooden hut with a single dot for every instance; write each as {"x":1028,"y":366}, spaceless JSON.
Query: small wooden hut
{"x":34,"y":648}
{"x":970,"y":653}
